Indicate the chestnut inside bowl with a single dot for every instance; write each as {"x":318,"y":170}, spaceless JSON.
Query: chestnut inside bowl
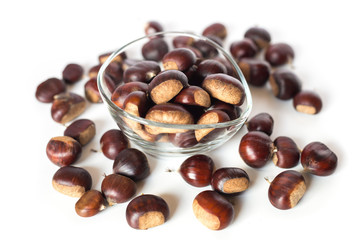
{"x":175,"y":139}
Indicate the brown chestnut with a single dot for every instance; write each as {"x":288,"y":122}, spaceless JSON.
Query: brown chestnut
{"x":230,"y":180}
{"x":112,"y":142}
{"x":244,"y":48}
{"x":167,"y":85}
{"x":72,"y":181}
{"x":182,"y":41}
{"x":256,"y":148}
{"x":122,"y":91}
{"x":263,"y":122}
{"x":193,"y":95}
{"x":179,"y":59}
{"x":287,"y":189}
{"x":67,"y":106}
{"x":119,"y":58}
{"x":183,"y":140}
{"x":143,"y":71}
{"x":147,"y":211}
{"x":210,"y":117}
{"x":213,"y":210}
{"x":63,"y":150}
{"x":278,"y":54}
{"x":155,"y":49}
{"x":168,"y":113}
{"x":46,"y":90}
{"x":72,"y":73}
{"x":197,"y":170}
{"x":225,"y":88}
{"x":153,"y":27}
{"x":260,"y":36}
{"x":285,"y":84}
{"x":256,"y":71}
{"x":90,"y":203}
{"x":82,"y":130}
{"x":132,"y":163}
{"x":115,"y":71}
{"x":207,"y":49}
{"x":286,"y":152}
{"x":215,"y":29}
{"x":117,"y":188}
{"x":318,"y":159}
{"x":92,"y":93}
{"x":232,"y":111}
{"x":308,"y":102}
{"x":94,"y":70}
{"x":208,"y":67}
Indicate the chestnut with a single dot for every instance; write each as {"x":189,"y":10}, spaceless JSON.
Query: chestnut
{"x":213,"y":210}
{"x":318,"y":159}
{"x":143,"y":71}
{"x":132,"y":163}
{"x":94,"y":70}
{"x":152,"y":27}
{"x":229,"y":67}
{"x":155,"y":49}
{"x":284,"y":84}
{"x":112,"y":142}
{"x":90,"y":203}
{"x":119,"y":58}
{"x":287,"y":189}
{"x":256,"y":71}
{"x":207,"y":49}
{"x":115,"y":71}
{"x":182,"y":41}
{"x":122,"y":91}
{"x":183,"y":140}
{"x":179,"y":59}
{"x":147,"y":211}
{"x":72,"y":181}
{"x":256,"y":148}
{"x":67,"y":106}
{"x":278,"y":54}
{"x":210,"y":66}
{"x":308,"y":102}
{"x":244,"y":48}
{"x":225,"y":88}
{"x":168,"y":113}
{"x":136,"y":103}
{"x":260,"y":36}
{"x":232,"y":111}
{"x":128,"y":62}
{"x":215,"y":29}
{"x":193,"y":95}
{"x":63,"y":150}
{"x":263,"y":122}
{"x":210,"y":117}
{"x":117,"y":188}
{"x":230,"y":180}
{"x":92,"y":93}
{"x":72,"y":73}
{"x":82,"y":130}
{"x":197,"y":170}
{"x":167,"y":85}
{"x":286,"y":152}
{"x":46,"y":90}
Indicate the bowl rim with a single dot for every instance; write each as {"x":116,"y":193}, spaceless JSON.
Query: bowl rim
{"x":104,"y":93}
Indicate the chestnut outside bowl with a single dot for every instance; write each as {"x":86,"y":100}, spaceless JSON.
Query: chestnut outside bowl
{"x":160,"y":145}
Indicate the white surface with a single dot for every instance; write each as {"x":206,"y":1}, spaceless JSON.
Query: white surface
{"x":40,"y":37}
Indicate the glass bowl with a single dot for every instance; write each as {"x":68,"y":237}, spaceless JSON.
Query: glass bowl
{"x":180,"y":139}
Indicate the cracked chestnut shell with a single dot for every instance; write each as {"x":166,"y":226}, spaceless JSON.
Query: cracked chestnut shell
{"x":82,"y":130}
{"x":63,"y":150}
{"x":197,"y":170}
{"x":287,"y":189}
{"x":166,"y":85}
{"x":225,"y":88}
{"x":230,"y":180}
{"x":132,"y":163}
{"x":256,"y":149}
{"x":117,"y":188}
{"x":46,"y":90}
{"x":90,"y":203}
{"x":286,"y":152}
{"x":112,"y":142}
{"x":318,"y":159}
{"x":143,"y":71}
{"x":213,"y":210}
{"x":147,"y":211}
{"x":72,"y":181}
{"x":67,"y":106}
{"x":179,"y":59}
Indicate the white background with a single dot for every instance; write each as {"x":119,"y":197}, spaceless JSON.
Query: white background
{"x":38,"y":38}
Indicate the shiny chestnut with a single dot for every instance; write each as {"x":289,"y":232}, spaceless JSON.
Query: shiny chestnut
{"x":67,"y":106}
{"x":117,"y":188}
{"x":46,"y":90}
{"x":82,"y":130}
{"x":121,"y":92}
{"x":263,"y":122}
{"x":155,"y":49}
{"x":244,"y":48}
{"x":90,"y":203}
{"x":197,"y":170}
{"x":193,"y":95}
{"x":308,"y":102}
{"x":179,"y":59}
{"x":212,"y":116}
{"x":230,"y":180}
{"x":63,"y":150}
{"x":72,"y":73}
{"x":286,"y":152}
{"x":278,"y":54}
{"x":260,"y":36}
{"x":285,"y":84}
{"x":112,"y":142}
{"x":215,"y":29}
{"x":143,"y":71}
{"x":256,"y":71}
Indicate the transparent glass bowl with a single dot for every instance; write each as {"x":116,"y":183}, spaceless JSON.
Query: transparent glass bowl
{"x":160,"y":145}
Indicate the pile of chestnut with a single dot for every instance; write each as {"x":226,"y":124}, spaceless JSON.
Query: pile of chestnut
{"x":192,"y":77}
